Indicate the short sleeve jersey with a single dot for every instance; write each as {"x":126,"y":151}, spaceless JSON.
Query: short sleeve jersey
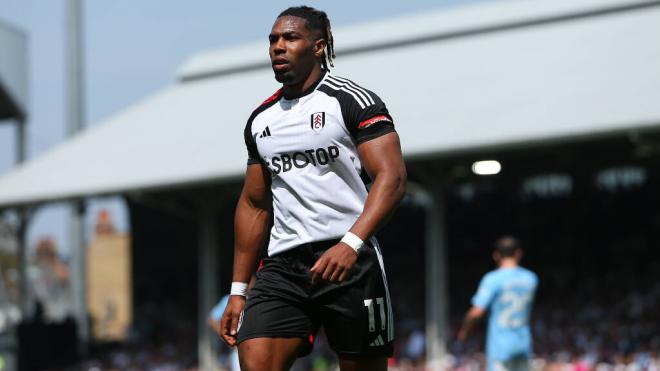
{"x":309,"y":145}
{"x":508,"y":293}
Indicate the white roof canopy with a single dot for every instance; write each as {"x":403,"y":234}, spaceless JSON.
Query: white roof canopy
{"x":492,"y":74}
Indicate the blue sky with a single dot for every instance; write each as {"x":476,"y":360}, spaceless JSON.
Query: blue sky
{"x":133,"y":48}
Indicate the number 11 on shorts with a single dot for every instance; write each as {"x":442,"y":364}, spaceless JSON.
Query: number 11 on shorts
{"x":369,"y":303}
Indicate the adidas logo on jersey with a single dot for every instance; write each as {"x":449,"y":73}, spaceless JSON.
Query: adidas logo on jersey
{"x":265,"y":133}
{"x":377,"y":342}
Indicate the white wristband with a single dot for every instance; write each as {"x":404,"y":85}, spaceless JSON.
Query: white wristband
{"x":238,"y":288}
{"x":353,"y":241}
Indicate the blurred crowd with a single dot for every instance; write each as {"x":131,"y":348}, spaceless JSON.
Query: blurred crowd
{"x":571,"y":334}
{"x":596,"y":309}
{"x":582,"y":331}
{"x":139,"y":357}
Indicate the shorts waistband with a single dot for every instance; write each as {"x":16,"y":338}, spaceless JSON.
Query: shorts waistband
{"x":321,"y":245}
{"x":324,"y":245}
{"x":314,"y":247}
{"x":308,"y":248}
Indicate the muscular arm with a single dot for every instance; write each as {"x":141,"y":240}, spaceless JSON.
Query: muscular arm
{"x":251,"y":222}
{"x":382,"y":159}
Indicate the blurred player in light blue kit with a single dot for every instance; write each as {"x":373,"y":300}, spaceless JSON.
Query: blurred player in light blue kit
{"x":508,"y":293}
{"x":213,"y":321}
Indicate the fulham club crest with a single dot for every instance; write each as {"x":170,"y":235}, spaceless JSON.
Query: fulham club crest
{"x":317,"y":121}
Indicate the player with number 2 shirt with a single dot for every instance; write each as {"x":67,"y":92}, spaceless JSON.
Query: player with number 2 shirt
{"x":508,"y":293}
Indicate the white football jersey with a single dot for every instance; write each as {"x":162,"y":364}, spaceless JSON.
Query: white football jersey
{"x":309,"y":144}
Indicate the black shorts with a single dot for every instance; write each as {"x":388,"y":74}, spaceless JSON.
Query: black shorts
{"x":355,"y":314}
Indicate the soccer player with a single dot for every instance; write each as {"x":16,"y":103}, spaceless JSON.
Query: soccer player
{"x":213,"y":321}
{"x":508,"y":293}
{"x":308,"y":145}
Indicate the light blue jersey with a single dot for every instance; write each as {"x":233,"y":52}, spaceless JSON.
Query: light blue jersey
{"x":508,"y":294}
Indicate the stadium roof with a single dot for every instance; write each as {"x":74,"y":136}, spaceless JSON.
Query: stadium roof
{"x":467,"y":78}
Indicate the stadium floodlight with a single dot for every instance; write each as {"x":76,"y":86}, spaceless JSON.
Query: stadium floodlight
{"x":486,"y":167}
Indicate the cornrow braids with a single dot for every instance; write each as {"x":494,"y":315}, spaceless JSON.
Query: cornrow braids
{"x":316,"y":20}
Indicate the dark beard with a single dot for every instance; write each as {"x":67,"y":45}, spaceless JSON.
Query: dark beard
{"x":284,"y":77}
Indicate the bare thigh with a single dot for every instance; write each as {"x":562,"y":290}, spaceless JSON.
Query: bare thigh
{"x":264,"y":354}
{"x":363,"y":364}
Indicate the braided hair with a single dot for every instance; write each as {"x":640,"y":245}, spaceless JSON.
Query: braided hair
{"x":315,"y":20}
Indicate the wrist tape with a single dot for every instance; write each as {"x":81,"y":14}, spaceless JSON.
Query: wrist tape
{"x":353,"y":241}
{"x":238,"y":288}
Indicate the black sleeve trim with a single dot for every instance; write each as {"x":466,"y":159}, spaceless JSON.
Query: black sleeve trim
{"x":250,"y":143}
{"x":253,"y":153}
{"x":375,"y":131}
{"x":365,"y":114}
